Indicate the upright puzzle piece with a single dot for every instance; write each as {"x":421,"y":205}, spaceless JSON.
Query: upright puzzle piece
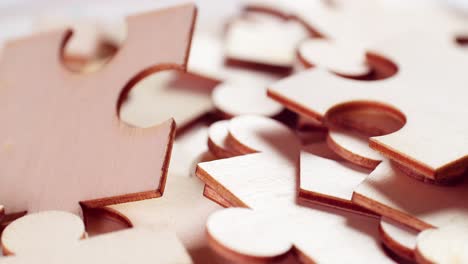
{"x":62,"y":140}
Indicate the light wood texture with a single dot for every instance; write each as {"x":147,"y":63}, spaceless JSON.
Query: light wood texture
{"x":266,"y":183}
{"x":54,"y":237}
{"x":160,"y":96}
{"x":353,"y":147}
{"x":2,"y":213}
{"x":445,"y":245}
{"x":429,"y":120}
{"x":330,"y":182}
{"x":217,"y":136}
{"x":391,"y":193}
{"x":73,"y":135}
{"x":266,"y":41}
{"x":400,"y":239}
{"x":243,"y":96}
{"x":24,"y":235}
{"x":182,"y":208}
{"x":344,"y":60}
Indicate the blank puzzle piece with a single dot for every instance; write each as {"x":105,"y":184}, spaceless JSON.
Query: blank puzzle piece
{"x":183,"y":198}
{"x":46,"y":152}
{"x":264,"y":40}
{"x":266,"y":183}
{"x":421,"y":74}
{"x":59,"y":237}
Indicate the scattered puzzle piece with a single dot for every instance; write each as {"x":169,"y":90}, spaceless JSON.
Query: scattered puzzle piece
{"x":428,"y":120}
{"x":391,"y":193}
{"x":353,"y":147}
{"x":444,"y":245}
{"x":245,"y":96}
{"x":73,"y":135}
{"x":400,"y":239}
{"x":344,"y":61}
{"x":266,"y":183}
{"x":330,"y":182}
{"x":159,"y":96}
{"x":58,"y":237}
{"x":265,"y":41}
{"x":182,"y":208}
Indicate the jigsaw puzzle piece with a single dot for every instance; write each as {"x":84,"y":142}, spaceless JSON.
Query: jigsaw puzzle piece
{"x":353,"y":147}
{"x":76,"y":113}
{"x":61,"y":238}
{"x":389,"y":192}
{"x":264,"y":41}
{"x":395,"y":96}
{"x":157,"y":97}
{"x":245,"y":95}
{"x":265,"y":182}
{"x":329,"y":182}
{"x":182,"y":199}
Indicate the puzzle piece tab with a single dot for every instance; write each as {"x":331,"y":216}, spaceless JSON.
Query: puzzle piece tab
{"x":72,"y":135}
{"x":421,"y":76}
{"x":58,"y":237}
{"x":265,"y":182}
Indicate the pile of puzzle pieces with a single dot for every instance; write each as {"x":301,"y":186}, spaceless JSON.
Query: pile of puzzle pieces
{"x":295,"y":132}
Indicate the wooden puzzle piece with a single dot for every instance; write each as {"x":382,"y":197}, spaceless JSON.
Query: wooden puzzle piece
{"x":330,"y":182}
{"x":390,"y":192}
{"x":400,"y":239}
{"x":429,"y":120}
{"x":59,"y":237}
{"x":266,"y":183}
{"x":182,"y":200}
{"x":46,"y":152}
{"x":217,"y":136}
{"x":266,"y":41}
{"x":447,"y":244}
{"x":88,"y":44}
{"x":344,"y":61}
{"x":245,"y":95}
{"x":159,"y":96}
{"x":353,"y":147}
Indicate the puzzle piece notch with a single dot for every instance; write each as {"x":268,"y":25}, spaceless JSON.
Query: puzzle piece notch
{"x":448,"y":244}
{"x":243,"y":96}
{"x":156,"y":97}
{"x":265,"y":182}
{"x":344,"y":61}
{"x":295,"y":93}
{"x":57,"y":237}
{"x":91,"y":104}
{"x":264,"y":41}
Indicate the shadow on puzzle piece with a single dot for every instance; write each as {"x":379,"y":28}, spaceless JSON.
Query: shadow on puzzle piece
{"x":72,"y":135}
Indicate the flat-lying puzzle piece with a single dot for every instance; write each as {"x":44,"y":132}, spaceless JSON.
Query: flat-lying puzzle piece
{"x":72,"y":136}
{"x":421,"y":76}
{"x":388,"y":191}
{"x":59,"y":237}
{"x":266,"y":183}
